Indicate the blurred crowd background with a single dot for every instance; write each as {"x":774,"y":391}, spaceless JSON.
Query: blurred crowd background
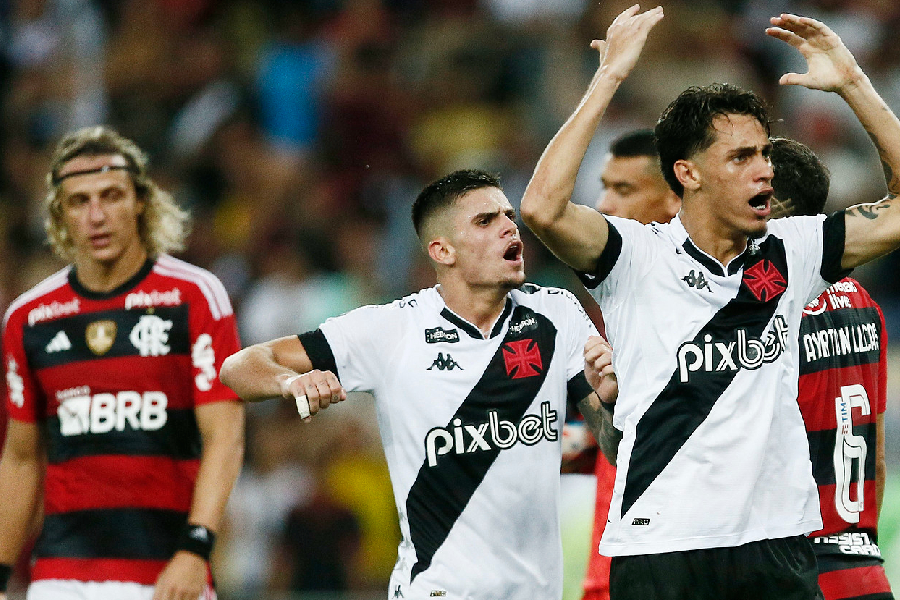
{"x":298,"y":132}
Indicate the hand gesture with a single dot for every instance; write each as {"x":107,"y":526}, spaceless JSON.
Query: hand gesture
{"x":598,"y":369}
{"x":184,"y":578}
{"x":313,"y":391}
{"x":830,"y":65}
{"x":625,"y":40}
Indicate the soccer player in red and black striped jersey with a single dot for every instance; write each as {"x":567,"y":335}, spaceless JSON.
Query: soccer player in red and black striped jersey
{"x":117,"y":418}
{"x":842,"y":395}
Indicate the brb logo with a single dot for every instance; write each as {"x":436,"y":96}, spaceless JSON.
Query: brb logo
{"x":101,"y":413}
{"x":494,"y":434}
{"x":744,"y":353}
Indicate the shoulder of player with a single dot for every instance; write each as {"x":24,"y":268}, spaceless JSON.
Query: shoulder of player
{"x":196,"y":282}
{"x":787,"y":227}
{"x":41,"y":293}
{"x":532,"y":294}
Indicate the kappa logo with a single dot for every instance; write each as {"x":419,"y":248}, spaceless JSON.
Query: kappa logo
{"x":439,"y":334}
{"x":764,"y":281}
{"x":522,"y":359}
{"x":59,"y":343}
{"x":444,"y":363}
{"x":151,"y":335}
{"x":697,"y":281}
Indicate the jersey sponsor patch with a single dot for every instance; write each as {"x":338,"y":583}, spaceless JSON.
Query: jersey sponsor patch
{"x":439,"y":335}
{"x":100,"y":336}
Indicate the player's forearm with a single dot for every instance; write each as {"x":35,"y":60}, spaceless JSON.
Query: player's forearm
{"x":553,"y":181}
{"x":254,"y":373}
{"x":880,"y":123}
{"x":600,"y":420}
{"x":20,"y":492}
{"x":222,"y":433}
{"x":873,"y":230}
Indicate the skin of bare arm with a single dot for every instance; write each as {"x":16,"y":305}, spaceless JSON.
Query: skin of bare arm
{"x":872,"y":230}
{"x":578,"y":234}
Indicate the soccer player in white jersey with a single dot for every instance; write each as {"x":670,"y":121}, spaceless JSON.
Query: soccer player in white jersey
{"x":714,"y":489}
{"x":470,"y":379}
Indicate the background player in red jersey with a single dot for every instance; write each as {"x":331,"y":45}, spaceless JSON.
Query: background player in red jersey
{"x":842,"y":395}
{"x":634,"y":188}
{"x":118,"y":421}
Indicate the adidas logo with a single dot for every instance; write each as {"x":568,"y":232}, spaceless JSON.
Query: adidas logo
{"x":59,"y":343}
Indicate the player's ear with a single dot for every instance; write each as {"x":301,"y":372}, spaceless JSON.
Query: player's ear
{"x":687,"y":174}
{"x":441,"y":251}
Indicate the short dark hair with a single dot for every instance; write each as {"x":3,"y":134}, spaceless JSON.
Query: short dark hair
{"x":801,"y":180}
{"x":686,"y":125}
{"x":446,"y":190}
{"x":640,"y":142}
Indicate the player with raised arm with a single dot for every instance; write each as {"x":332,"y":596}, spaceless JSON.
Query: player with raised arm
{"x":633,"y":188}
{"x":842,"y":395}
{"x":714,"y":490}
{"x":118,"y":422}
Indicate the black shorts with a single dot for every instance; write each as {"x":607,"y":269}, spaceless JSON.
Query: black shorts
{"x":780,"y":569}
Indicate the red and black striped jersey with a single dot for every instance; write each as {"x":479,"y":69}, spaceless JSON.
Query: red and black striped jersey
{"x":842,"y":390}
{"x":113,"y":380}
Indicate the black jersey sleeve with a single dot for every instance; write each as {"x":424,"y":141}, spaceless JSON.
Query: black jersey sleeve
{"x":833,"y":238}
{"x":319,"y":351}
{"x":606,"y":262}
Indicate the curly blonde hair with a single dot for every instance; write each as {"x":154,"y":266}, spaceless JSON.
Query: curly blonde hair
{"x":163,"y":225}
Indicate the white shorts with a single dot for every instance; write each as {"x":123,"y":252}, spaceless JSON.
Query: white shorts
{"x":72,"y":589}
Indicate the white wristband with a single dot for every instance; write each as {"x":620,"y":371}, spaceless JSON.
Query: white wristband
{"x":302,"y":402}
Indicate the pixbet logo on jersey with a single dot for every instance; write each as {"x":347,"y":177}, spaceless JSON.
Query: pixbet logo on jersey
{"x":493,"y":434}
{"x":743,"y":353}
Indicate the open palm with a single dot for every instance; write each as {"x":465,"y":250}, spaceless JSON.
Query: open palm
{"x":830,"y":65}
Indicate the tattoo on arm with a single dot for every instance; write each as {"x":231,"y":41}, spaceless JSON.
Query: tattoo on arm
{"x":869,"y":211}
{"x":600,"y":421}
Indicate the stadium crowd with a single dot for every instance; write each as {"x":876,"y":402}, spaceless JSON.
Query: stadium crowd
{"x":298,"y":133}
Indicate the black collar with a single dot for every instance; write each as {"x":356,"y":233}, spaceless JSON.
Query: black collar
{"x":471,"y":329}
{"x":132,"y":282}
{"x":714,"y":266}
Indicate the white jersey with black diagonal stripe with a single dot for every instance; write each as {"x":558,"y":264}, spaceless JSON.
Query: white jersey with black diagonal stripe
{"x":714,"y":451}
{"x":471,"y":431}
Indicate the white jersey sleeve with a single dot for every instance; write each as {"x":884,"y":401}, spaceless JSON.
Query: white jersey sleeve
{"x":361,"y":342}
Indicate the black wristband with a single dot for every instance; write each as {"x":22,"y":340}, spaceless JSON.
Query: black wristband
{"x":5,"y":574}
{"x":196,"y":539}
{"x":609,"y":407}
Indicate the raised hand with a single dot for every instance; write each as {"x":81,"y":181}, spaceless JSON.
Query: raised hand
{"x":625,"y":40}
{"x":830,"y":65}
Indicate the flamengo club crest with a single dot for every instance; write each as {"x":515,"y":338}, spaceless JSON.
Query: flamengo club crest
{"x":100,"y":336}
